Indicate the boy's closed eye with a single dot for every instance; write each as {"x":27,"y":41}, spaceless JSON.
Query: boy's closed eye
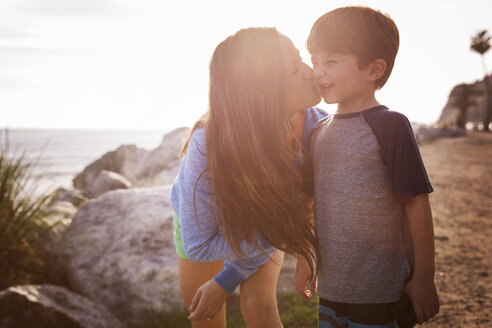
{"x":323,"y":61}
{"x":330,"y":61}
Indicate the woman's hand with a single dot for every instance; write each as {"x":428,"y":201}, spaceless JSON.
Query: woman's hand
{"x":305,"y":281}
{"x":208,"y":300}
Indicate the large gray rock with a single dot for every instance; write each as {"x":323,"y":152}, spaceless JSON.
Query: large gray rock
{"x":106,"y":181}
{"x":163,"y":161}
{"x":51,"y":306}
{"x":123,"y":160}
{"x":119,"y":252}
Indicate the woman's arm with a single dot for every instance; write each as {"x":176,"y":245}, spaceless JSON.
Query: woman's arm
{"x":193,"y":202}
{"x":211,"y":296}
{"x":194,"y":205}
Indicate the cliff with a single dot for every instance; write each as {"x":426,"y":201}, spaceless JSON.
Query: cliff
{"x":466,"y":103}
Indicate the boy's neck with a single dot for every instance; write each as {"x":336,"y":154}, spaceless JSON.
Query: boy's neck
{"x":357,"y":104}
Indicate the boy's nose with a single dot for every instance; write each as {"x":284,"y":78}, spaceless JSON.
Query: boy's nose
{"x":317,"y":73}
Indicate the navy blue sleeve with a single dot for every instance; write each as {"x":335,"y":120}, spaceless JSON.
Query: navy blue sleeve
{"x":400,"y":153}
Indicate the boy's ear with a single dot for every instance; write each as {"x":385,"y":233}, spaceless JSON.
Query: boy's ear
{"x":377,"y":69}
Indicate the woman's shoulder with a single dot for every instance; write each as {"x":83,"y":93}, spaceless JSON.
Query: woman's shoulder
{"x":312,"y":115}
{"x":315,"y":113}
{"x":197,"y":141}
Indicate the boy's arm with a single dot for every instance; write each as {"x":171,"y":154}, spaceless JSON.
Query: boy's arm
{"x":421,"y":287}
{"x":411,"y":185}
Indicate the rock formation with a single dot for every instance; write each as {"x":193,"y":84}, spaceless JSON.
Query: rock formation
{"x":164,"y":157}
{"x":119,"y":252}
{"x":135,"y":167}
{"x":107,"y":181}
{"x":116,"y":250}
{"x":123,"y":160}
{"x":466,"y":103}
{"x":51,"y":306}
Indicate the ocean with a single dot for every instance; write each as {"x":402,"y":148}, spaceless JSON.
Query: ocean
{"x":59,"y":155}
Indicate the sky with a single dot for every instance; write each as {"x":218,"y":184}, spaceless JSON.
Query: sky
{"x":143,"y":64}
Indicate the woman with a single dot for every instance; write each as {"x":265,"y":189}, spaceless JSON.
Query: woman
{"x":237,"y":195}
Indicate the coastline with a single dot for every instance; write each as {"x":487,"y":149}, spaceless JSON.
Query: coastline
{"x":61,"y":154}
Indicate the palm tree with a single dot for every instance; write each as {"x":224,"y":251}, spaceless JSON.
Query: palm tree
{"x":480,"y":43}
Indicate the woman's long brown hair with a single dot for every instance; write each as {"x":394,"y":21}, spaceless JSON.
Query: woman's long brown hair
{"x":250,"y":156}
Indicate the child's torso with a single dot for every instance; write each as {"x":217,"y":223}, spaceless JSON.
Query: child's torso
{"x":362,"y":228}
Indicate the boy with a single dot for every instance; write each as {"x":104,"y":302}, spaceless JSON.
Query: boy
{"x":371,"y":208}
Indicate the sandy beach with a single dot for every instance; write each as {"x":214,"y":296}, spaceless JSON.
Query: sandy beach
{"x":461,"y":171}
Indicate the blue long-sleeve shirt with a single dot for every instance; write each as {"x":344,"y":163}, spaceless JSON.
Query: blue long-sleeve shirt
{"x":202,"y":239}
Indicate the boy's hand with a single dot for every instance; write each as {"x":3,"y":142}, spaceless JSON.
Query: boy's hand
{"x":305,"y":284}
{"x":423,"y":293}
{"x":208,"y":301}
{"x":421,"y":288}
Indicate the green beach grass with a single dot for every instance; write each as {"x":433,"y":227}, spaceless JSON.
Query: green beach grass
{"x":295,"y":312}
{"x":24,"y":221}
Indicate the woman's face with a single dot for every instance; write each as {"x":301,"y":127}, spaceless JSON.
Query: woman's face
{"x":300,"y":90}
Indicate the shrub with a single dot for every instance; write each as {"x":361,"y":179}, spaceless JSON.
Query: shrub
{"x":24,"y":220}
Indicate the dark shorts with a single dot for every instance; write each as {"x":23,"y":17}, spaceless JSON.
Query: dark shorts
{"x":335,"y":315}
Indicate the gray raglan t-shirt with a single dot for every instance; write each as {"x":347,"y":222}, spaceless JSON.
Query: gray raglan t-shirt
{"x":362,"y":167}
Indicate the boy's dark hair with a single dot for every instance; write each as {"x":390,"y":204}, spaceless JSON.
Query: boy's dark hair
{"x":363,"y":32}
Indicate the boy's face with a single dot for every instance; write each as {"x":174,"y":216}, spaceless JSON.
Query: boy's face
{"x":339,"y":78}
